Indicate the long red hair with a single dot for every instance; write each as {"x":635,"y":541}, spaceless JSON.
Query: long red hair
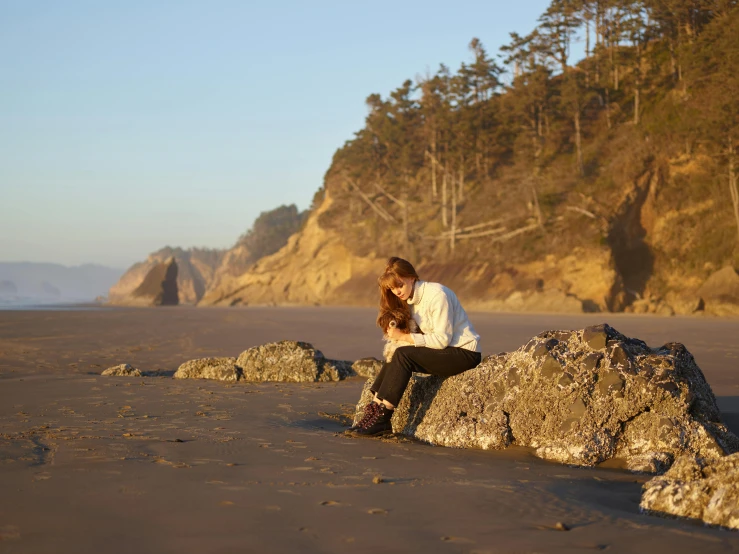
{"x":396,"y":270}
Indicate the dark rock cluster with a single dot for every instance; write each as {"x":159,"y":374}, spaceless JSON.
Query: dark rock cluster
{"x":577,"y":397}
{"x":286,"y":361}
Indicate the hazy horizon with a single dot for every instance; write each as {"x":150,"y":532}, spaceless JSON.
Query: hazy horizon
{"x":126,"y":128}
{"x":23,"y":283}
{"x":68,"y":266}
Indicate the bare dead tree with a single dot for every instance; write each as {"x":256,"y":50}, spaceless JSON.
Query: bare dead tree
{"x":403,"y":206}
{"x":376,"y":208}
{"x":444,"y":221}
{"x":732,"y":183}
{"x":454,"y":216}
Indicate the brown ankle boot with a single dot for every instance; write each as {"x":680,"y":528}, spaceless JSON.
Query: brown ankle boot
{"x":369,"y":411}
{"x":378,"y":424}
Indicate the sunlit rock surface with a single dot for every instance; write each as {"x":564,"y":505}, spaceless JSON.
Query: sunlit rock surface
{"x":720,"y":292}
{"x":290,"y":361}
{"x":577,"y":397}
{"x":367,"y":367}
{"x":221,"y":369}
{"x":697,"y":488}
{"x":122,"y":370}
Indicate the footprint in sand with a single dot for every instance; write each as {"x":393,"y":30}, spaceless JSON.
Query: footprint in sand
{"x":9,"y":533}
{"x":330,"y":503}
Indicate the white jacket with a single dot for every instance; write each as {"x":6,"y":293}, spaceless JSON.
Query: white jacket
{"x":441,"y":318}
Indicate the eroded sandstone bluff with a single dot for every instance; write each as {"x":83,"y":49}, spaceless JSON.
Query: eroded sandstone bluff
{"x":577,"y":397}
{"x":697,"y":488}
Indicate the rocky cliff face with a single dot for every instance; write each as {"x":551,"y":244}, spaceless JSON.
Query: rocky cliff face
{"x":627,"y":211}
{"x":662,"y":247}
{"x":314,"y":267}
{"x":651,"y":242}
{"x":669,"y":242}
{"x":317,"y":266}
{"x":201,"y":270}
{"x":644,"y":247}
{"x":195,"y":270}
{"x":270,"y":232}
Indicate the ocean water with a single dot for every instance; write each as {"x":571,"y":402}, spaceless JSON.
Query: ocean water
{"x":23,"y":304}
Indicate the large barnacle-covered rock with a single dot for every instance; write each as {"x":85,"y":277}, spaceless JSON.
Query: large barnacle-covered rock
{"x":577,"y":397}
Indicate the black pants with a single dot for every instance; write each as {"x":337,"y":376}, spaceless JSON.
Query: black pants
{"x":394,"y":375}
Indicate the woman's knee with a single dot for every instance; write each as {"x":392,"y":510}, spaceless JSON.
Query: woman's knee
{"x":402,"y":353}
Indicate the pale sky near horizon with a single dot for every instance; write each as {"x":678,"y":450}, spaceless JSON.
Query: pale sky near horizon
{"x":128,"y":126}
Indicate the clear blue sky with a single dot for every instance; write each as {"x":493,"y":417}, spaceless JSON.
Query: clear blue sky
{"x":127,"y":126}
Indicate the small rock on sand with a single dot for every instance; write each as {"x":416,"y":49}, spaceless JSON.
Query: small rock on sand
{"x":122,"y":370}
{"x":290,"y":361}
{"x":220,"y":369}
{"x":367,"y":367}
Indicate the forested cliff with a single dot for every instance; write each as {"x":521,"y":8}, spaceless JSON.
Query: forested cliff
{"x":528,"y":182}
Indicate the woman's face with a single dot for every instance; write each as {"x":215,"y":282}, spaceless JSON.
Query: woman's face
{"x":404,"y":289}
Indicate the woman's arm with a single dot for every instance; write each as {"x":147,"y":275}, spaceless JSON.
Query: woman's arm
{"x":440,"y":335}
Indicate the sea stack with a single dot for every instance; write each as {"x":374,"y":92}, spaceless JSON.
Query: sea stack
{"x":159,"y":287}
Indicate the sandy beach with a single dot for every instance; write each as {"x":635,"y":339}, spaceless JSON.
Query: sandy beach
{"x":115,"y":464}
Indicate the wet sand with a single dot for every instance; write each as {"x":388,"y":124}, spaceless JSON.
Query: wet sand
{"x":113,"y":464}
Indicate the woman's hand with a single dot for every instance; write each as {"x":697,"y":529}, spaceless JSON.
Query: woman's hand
{"x":394,"y":333}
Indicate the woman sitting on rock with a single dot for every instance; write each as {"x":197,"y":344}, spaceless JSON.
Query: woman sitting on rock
{"x":447,"y":344}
